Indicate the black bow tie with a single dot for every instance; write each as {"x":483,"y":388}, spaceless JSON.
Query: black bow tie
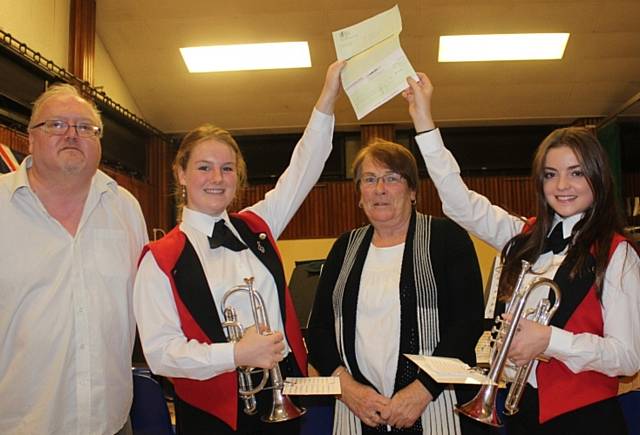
{"x":222,"y":236}
{"x":555,"y":241}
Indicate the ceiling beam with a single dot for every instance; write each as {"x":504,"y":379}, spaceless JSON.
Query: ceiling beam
{"x":607,"y":120}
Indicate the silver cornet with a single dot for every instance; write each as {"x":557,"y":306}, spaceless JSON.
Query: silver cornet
{"x":282,"y":408}
{"x":483,"y":406}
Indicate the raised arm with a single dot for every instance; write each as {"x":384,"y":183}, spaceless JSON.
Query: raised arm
{"x":472,"y":211}
{"x":331,"y":89}
{"x":307,"y":160}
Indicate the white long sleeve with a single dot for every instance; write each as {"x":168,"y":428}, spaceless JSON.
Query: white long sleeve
{"x":470,"y":210}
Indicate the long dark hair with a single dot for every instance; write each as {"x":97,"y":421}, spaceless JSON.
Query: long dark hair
{"x":595,"y":231}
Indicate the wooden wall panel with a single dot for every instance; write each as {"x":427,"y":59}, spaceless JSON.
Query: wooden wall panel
{"x":15,"y":140}
{"x":373,"y":131}
{"x":332,"y":207}
{"x":82,"y":37}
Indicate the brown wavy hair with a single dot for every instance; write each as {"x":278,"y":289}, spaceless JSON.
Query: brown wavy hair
{"x":595,"y":230}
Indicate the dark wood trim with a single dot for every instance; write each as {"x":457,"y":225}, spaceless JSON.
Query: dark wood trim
{"x":82,"y":38}
{"x":379,"y":131}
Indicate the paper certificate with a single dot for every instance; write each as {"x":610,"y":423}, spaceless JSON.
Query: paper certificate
{"x":449,"y":370}
{"x":319,"y":385}
{"x":377,"y":67}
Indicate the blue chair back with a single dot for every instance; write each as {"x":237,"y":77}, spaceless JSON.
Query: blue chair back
{"x":149,"y":412}
{"x":631,"y":407}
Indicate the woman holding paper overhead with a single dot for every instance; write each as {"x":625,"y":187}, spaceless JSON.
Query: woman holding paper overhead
{"x":595,"y":334}
{"x":407,"y":283}
{"x":184,"y":279}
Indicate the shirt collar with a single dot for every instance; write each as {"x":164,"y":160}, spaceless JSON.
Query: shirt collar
{"x":202,"y":222}
{"x":100,"y":182}
{"x":567,"y":223}
{"x":20,"y":180}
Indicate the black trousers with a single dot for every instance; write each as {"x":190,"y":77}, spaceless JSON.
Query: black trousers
{"x":193,"y":421}
{"x":605,"y":417}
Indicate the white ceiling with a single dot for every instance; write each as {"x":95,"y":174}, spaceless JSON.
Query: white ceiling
{"x":599,"y":73}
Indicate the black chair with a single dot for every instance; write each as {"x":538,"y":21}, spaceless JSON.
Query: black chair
{"x":149,"y":411}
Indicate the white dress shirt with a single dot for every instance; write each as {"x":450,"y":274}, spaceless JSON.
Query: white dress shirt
{"x":66,"y":321}
{"x":617,"y":352}
{"x":167,"y":350}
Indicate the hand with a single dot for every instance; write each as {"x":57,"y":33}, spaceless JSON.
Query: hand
{"x":407,"y":405}
{"x":255,"y":350}
{"x":530,"y":341}
{"x":362,"y":400}
{"x":418,"y":95}
{"x":331,"y":88}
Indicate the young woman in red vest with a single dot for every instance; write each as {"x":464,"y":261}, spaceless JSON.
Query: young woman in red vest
{"x":183,"y":277}
{"x":595,"y":334}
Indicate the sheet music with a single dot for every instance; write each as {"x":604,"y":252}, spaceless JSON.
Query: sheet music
{"x":483,"y":348}
{"x":312,"y":386}
{"x":490,"y":306}
{"x":449,"y":370}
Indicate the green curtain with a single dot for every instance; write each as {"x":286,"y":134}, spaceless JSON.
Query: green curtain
{"x":609,"y":137}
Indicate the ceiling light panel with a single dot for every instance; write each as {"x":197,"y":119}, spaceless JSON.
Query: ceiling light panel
{"x":518,"y":46}
{"x":243,"y":57}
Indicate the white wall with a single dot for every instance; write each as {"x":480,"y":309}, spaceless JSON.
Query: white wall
{"x":106,"y":75}
{"x":44,"y":26}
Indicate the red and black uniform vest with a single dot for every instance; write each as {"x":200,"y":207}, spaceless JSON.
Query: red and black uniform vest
{"x":559,"y":389}
{"x":199,"y":318}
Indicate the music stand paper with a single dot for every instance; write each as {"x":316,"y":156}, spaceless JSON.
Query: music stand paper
{"x":312,"y":386}
{"x":483,"y":349}
{"x":377,"y":68}
{"x":449,"y":370}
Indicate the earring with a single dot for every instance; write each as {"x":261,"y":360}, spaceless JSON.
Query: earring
{"x":183,"y":193}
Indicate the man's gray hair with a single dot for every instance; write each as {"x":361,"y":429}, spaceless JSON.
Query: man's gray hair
{"x":62,"y":89}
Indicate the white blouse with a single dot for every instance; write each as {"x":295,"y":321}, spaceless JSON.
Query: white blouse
{"x":379,"y":310}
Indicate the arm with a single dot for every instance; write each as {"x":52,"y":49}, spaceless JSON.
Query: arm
{"x":472,"y":211}
{"x":618,"y":351}
{"x":307,"y":160}
{"x":170,"y":353}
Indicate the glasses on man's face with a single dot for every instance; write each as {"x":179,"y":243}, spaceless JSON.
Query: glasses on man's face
{"x":56,"y":127}
{"x":370,"y":180}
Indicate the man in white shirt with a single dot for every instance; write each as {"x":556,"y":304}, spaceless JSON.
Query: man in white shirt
{"x":70,"y":242}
